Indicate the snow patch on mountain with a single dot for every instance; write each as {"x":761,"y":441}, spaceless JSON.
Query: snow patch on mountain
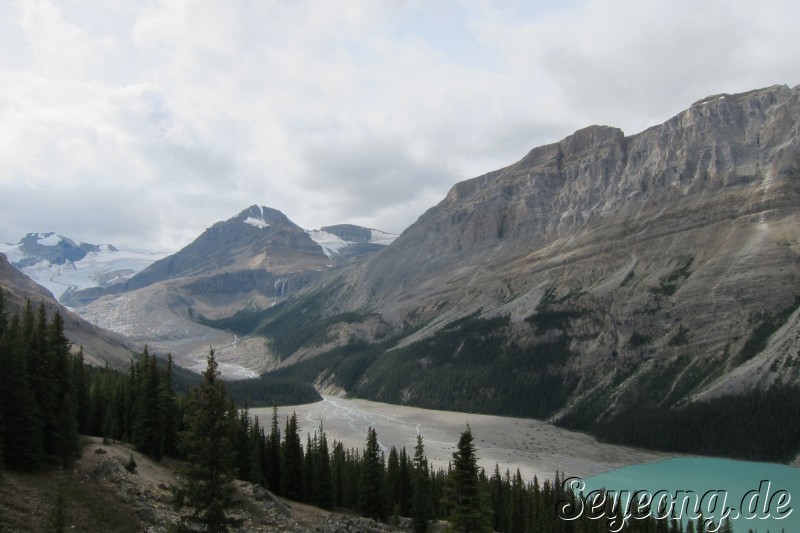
{"x":259,"y":223}
{"x":331,"y":244}
{"x":49,"y":239}
{"x":381,"y":237}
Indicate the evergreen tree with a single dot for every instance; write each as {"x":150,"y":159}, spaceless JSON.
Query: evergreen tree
{"x":81,"y":392}
{"x":726,"y":526}
{"x":310,"y":470}
{"x":170,"y":411}
{"x":393,"y":482}
{"x":338,"y":473}
{"x":497,"y":495}
{"x":406,"y":483}
{"x":324,"y":489}
{"x":371,"y":497}
{"x":243,"y":446}
{"x":22,"y":428}
{"x":420,"y":505}
{"x":208,"y":481}
{"x":292,"y":462}
{"x":516,"y":508}
{"x":272,"y":462}
{"x":257,"y":445}
{"x":148,"y":418}
{"x":61,"y":429}
{"x":470,"y":513}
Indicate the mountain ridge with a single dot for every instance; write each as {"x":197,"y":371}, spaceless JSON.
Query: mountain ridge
{"x":664,"y":256}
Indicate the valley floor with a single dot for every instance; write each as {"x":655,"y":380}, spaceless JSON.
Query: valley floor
{"x":534,"y":446}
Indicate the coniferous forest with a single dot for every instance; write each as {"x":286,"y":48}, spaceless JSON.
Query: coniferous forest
{"x":49,"y":397}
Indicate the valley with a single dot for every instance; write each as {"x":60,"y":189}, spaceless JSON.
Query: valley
{"x":536,"y":447}
{"x":601,"y":279}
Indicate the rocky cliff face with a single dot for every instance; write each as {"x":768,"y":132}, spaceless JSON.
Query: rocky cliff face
{"x":681,"y":242}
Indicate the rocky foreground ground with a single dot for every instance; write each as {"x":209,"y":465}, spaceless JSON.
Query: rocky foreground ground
{"x":99,"y":494}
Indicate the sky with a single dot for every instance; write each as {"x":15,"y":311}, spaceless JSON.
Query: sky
{"x":142,"y":123}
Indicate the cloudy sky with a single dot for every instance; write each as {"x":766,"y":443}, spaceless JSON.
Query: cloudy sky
{"x":141,"y":123}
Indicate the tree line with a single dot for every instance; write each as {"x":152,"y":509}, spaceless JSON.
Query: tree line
{"x":227,"y":441}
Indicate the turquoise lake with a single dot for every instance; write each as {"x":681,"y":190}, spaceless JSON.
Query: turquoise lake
{"x":766,"y":488}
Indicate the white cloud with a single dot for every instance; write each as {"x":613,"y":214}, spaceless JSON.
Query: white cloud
{"x":143,"y":124}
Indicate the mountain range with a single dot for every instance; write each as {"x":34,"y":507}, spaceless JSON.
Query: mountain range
{"x":598,"y":272}
{"x":253,"y":260}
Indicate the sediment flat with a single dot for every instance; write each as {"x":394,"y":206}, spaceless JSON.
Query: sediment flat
{"x":534,"y":446}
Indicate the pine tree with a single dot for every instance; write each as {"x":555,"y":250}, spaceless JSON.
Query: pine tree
{"x":208,"y":481}
{"x":371,"y":497}
{"x":470,"y":512}
{"x":420,"y":505}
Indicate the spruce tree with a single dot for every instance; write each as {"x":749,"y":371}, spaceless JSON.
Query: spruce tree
{"x":148,"y":419}
{"x":339,"y":469}
{"x":469,"y":509}
{"x":371,"y":500}
{"x":169,"y":410}
{"x":324,"y":488}
{"x":310,"y":470}
{"x":208,"y":480}
{"x":516,"y":507}
{"x":292,"y":462}
{"x":61,"y":429}
{"x":80,"y":389}
{"x":420,"y":505}
{"x":22,"y":427}
{"x":393,"y":482}
{"x":272,"y":459}
{"x":256,"y":443}
{"x":405,"y":484}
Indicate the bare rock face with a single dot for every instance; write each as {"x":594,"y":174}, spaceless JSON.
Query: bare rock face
{"x":674,"y":242}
